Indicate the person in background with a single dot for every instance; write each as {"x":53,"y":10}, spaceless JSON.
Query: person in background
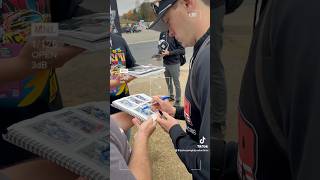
{"x":120,"y":57}
{"x":172,"y":55}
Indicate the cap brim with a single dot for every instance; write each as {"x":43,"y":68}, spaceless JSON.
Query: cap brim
{"x":159,"y":25}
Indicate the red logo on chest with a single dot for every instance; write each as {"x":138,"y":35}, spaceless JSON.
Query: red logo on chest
{"x":187,"y":111}
{"x":247,"y":154}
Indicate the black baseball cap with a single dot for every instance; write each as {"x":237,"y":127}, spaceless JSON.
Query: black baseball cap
{"x":160,"y":8}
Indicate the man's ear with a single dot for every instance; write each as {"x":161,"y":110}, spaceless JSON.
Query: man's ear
{"x":190,"y":5}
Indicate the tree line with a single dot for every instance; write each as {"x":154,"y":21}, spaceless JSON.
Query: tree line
{"x":143,"y":12}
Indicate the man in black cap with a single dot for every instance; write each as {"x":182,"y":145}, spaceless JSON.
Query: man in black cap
{"x":188,"y":21}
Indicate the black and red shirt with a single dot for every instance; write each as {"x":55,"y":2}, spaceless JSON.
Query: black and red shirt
{"x":289,"y":31}
{"x":193,"y":146}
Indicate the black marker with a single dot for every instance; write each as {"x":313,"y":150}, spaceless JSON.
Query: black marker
{"x":162,"y":116}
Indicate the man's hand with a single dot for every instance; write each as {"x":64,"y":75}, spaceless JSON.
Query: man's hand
{"x":145,"y":129}
{"x":164,"y":106}
{"x":49,"y":54}
{"x":167,"y":122}
{"x":130,"y":78}
{"x":165,"y":53}
{"x":140,"y":164}
{"x":123,"y":120}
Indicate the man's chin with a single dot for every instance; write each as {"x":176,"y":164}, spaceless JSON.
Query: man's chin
{"x":185,"y":44}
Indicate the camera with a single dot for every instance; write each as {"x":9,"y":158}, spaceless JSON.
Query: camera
{"x":163,"y":46}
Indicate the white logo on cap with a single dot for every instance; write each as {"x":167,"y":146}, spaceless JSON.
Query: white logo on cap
{"x":169,"y":5}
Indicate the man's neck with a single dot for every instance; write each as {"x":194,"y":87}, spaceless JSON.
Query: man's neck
{"x":203,"y":23}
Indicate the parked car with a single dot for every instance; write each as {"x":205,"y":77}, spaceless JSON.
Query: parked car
{"x":136,"y":28}
{"x":126,"y":29}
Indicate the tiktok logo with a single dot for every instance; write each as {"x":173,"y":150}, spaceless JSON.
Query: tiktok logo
{"x":202,"y":146}
{"x":202,"y":140}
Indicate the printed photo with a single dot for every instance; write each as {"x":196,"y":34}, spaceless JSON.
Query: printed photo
{"x":135,"y":100}
{"x":142,"y":98}
{"x":83,"y":125}
{"x":56,"y":132}
{"x":145,"y":110}
{"x":127,"y":103}
{"x":75,"y":121}
{"x":95,"y":112}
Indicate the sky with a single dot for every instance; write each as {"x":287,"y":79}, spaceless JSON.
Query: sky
{"x":125,"y":5}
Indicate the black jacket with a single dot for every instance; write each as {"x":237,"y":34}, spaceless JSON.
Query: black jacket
{"x":291,"y":74}
{"x":118,"y":42}
{"x":175,"y":49}
{"x":66,"y":9}
{"x":196,"y":112}
{"x":287,"y":45}
{"x":217,"y":3}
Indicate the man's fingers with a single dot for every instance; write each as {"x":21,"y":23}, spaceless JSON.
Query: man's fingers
{"x":166,"y":115}
{"x":155,"y":103}
{"x":156,"y":99}
{"x":161,"y":121}
{"x":154,"y":124}
{"x":154,"y":117}
{"x":154,"y":108}
{"x":136,"y":122}
{"x":150,"y":122}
